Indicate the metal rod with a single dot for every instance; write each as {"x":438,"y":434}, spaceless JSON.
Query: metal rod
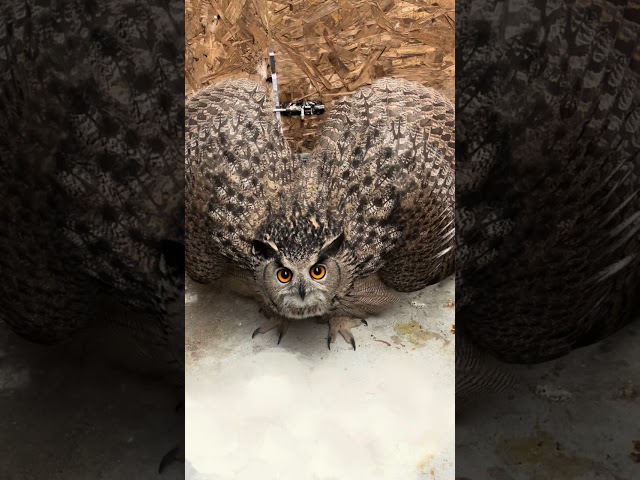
{"x":274,"y":80}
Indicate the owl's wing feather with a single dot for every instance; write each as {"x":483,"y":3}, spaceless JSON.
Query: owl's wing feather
{"x":385,"y":162}
{"x":237,"y":166}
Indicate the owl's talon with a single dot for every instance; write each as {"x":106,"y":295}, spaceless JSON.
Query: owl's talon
{"x":275,"y":322}
{"x":365,"y":324}
{"x":343,"y":326}
{"x":331,"y":338}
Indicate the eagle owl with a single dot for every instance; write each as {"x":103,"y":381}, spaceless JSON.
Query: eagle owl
{"x":334,"y":238}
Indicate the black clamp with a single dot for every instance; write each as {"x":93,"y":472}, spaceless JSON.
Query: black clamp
{"x":301,"y":108}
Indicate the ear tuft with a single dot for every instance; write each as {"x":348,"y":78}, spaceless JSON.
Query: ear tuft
{"x":332,"y":247}
{"x":264,"y":249}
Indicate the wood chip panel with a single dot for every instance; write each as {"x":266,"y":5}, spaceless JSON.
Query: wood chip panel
{"x":324,"y":48}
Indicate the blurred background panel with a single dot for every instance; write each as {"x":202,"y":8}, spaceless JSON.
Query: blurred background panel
{"x":91,"y":239}
{"x":548,"y":239}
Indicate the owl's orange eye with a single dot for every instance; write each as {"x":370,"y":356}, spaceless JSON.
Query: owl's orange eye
{"x":318,"y":272}
{"x":284,"y":275}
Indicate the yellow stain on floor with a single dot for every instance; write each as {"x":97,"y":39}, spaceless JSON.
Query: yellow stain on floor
{"x":428,"y":458}
{"x":415,"y":334}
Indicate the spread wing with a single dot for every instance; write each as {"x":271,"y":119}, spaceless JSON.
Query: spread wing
{"x":385,"y":161}
{"x":237,"y":166}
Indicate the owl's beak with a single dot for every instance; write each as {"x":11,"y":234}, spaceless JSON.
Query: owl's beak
{"x":302,"y":290}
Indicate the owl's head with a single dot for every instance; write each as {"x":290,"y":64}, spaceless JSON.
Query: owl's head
{"x":300,"y":286}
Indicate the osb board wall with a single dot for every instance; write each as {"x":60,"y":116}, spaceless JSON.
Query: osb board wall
{"x":324,"y":48}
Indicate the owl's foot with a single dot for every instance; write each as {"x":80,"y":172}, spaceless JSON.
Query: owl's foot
{"x":343,"y":326}
{"x":282,"y":324}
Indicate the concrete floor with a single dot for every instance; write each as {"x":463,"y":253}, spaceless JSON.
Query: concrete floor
{"x":69,"y":414}
{"x":575,"y":418}
{"x":299,"y":411}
